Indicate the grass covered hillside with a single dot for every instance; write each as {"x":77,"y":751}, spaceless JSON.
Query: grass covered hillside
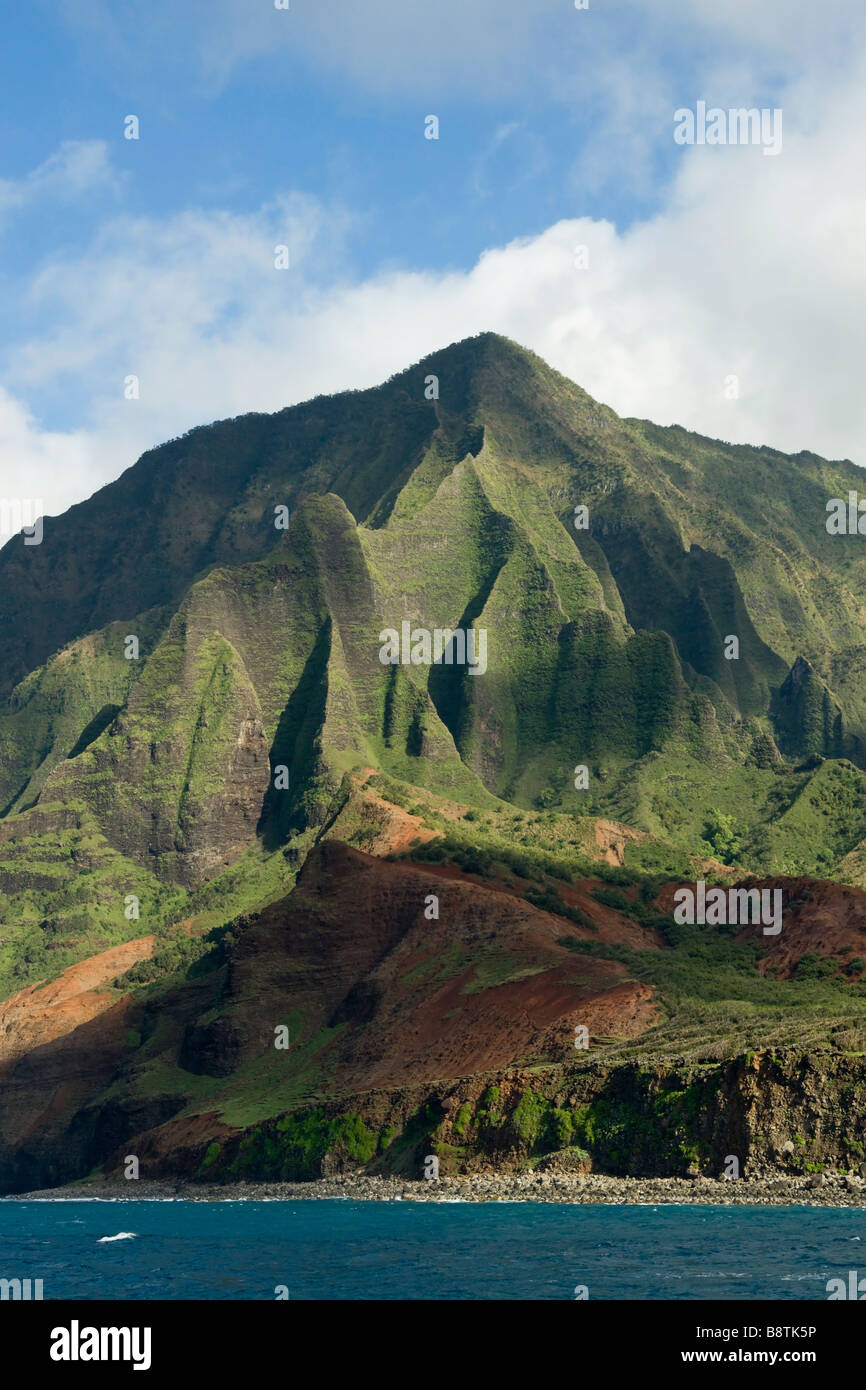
{"x":280,"y":890}
{"x":673,"y":642}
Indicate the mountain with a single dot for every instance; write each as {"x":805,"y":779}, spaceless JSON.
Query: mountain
{"x":217,"y":752}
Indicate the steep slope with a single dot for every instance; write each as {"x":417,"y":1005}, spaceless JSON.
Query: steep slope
{"x":605,"y":565}
{"x":386,"y":1010}
{"x":209,"y":498}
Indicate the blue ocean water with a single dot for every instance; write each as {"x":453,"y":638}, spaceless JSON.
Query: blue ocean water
{"x":340,"y":1249}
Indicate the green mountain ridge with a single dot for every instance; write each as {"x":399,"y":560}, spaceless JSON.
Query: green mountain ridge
{"x":156,"y":778}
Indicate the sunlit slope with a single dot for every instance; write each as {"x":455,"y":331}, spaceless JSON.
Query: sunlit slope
{"x":194,"y":773}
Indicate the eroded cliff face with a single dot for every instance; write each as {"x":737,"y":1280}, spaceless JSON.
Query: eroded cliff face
{"x":756,"y":1115}
{"x":388,"y":1011}
{"x":413,"y":975}
{"x":152,"y":771}
{"x":180,"y":776}
{"x":190,"y":719}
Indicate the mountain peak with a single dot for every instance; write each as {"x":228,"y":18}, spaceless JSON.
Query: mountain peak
{"x":490,"y":351}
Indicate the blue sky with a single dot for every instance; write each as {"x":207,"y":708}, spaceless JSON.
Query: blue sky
{"x":507,"y":164}
{"x":306,"y":126}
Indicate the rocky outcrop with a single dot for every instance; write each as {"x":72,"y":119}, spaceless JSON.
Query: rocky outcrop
{"x":807,"y":716}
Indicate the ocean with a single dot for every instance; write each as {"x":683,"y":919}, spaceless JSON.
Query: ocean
{"x":343,"y":1249}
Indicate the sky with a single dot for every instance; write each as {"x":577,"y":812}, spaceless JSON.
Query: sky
{"x":715,"y":286}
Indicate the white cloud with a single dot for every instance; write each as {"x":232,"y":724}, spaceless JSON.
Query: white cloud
{"x":76,"y":168}
{"x":753,"y":268}
{"x":483,"y":48}
{"x":381,"y":44}
{"x":41,"y":472}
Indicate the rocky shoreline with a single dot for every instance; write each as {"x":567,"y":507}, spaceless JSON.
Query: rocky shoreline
{"x":834,"y":1189}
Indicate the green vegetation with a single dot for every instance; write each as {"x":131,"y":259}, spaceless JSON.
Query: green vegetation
{"x":291,"y":1149}
{"x":146,"y":797}
{"x":723,"y":838}
{"x":462,"y":1119}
